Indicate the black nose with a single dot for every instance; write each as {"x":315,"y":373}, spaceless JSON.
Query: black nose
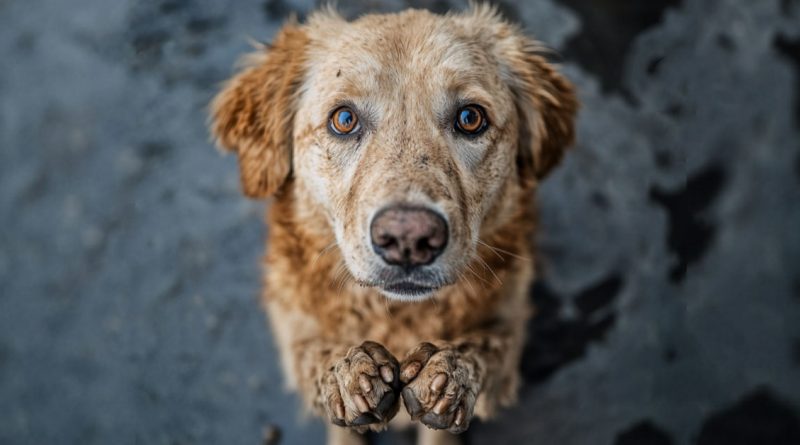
{"x":408,"y":236}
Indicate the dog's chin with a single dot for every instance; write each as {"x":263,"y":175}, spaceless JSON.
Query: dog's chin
{"x":407,"y":291}
{"x":401,"y":285}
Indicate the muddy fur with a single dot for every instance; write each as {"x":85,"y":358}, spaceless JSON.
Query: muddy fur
{"x":404,"y":75}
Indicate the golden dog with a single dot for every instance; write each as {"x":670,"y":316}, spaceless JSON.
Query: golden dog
{"x":403,"y":152}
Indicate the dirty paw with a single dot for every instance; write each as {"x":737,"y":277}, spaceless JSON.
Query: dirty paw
{"x":441,"y":387}
{"x":361,"y":389}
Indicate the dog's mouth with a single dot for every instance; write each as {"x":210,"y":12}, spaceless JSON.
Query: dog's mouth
{"x":409,"y":289}
{"x":406,"y":289}
{"x":397,"y":283}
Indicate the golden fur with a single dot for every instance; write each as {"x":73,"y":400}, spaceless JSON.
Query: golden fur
{"x":403,"y":72}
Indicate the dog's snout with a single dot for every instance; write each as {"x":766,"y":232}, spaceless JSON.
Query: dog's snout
{"x":408,"y":236}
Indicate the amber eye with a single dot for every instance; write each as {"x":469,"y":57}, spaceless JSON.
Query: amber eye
{"x":343,"y":121}
{"x":471,"y":120}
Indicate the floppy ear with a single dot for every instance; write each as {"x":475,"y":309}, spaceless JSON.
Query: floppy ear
{"x":546,"y":104}
{"x":253,"y":115}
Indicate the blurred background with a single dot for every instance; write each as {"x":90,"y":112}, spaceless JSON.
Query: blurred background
{"x":669,"y":304}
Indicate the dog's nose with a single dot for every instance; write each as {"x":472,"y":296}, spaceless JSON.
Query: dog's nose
{"x":408,"y":236}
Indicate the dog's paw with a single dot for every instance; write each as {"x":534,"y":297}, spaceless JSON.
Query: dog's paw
{"x":361,"y":390}
{"x":441,"y":387}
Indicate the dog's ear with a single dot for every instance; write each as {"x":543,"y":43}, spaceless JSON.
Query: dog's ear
{"x":546,"y":103}
{"x":545,"y":100}
{"x":253,"y":115}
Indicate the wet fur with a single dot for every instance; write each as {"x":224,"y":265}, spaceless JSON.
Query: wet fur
{"x":319,"y":309}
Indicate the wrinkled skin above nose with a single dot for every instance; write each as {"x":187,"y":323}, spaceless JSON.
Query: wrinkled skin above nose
{"x":408,"y":236}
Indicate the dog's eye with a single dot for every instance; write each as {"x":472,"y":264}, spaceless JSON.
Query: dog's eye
{"x":343,"y":121}
{"x":471,"y":120}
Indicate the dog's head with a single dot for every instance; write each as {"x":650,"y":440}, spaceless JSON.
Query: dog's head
{"x":414,"y":133}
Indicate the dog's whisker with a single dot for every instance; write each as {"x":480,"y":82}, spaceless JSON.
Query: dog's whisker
{"x":340,"y":286}
{"x":334,"y":276}
{"x":435,"y":300}
{"x":342,"y":281}
{"x":492,"y":249}
{"x":467,"y":282}
{"x":499,"y":281}
{"x":340,"y":276}
{"x":325,"y":250}
{"x":388,"y":310}
{"x":482,"y":280}
{"x":497,"y":249}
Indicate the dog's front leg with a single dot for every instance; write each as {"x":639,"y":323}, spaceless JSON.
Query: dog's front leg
{"x":355,"y":387}
{"x":447,"y":382}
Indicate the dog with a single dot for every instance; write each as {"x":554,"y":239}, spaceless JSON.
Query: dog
{"x":402,"y":152}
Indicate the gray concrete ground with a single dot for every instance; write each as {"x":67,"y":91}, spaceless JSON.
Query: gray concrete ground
{"x":670,"y":299}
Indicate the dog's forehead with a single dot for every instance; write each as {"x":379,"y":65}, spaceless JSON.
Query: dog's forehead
{"x":415,"y":48}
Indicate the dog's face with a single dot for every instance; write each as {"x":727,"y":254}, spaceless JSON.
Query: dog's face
{"x":414,"y":133}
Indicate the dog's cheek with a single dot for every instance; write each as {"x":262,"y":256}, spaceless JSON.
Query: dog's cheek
{"x":497,"y":185}
{"x":354,"y":253}
{"x":312,"y":175}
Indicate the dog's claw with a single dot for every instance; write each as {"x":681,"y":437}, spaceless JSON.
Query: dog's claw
{"x":387,"y":374}
{"x":441,"y":406}
{"x":410,"y":371}
{"x":459,"y":418}
{"x":361,"y":403}
{"x":413,"y":406}
{"x":385,"y":404}
{"x":435,"y":421}
{"x":363,"y":382}
{"x":364,"y":419}
{"x":438,"y":382}
{"x":339,"y":410}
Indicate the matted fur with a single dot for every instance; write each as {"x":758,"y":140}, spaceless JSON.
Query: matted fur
{"x":404,"y":73}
